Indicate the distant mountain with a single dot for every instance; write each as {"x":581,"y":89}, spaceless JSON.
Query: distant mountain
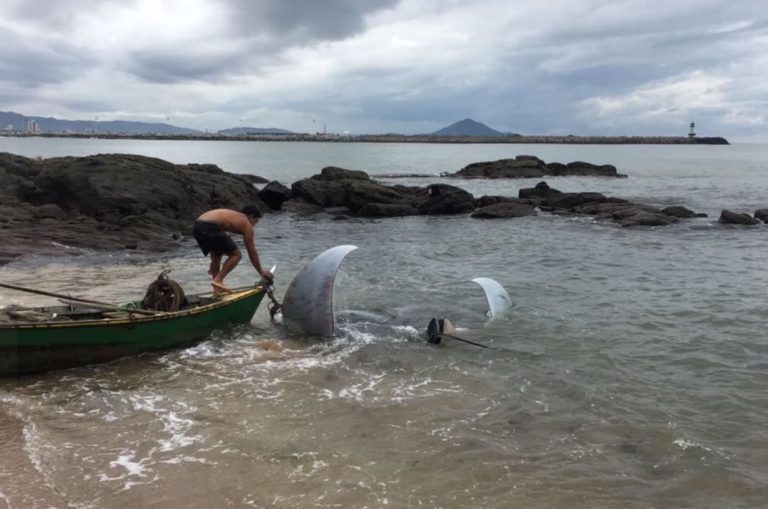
{"x":244,"y":131}
{"x":18,"y":122}
{"x":467,"y":127}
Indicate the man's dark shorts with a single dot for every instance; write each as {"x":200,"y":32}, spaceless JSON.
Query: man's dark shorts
{"x":212,"y":238}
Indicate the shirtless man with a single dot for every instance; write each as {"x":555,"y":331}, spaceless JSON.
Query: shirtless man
{"x":210,"y":232}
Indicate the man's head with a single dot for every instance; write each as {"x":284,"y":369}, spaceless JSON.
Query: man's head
{"x":253,"y":212}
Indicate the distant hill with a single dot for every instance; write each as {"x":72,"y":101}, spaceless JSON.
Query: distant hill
{"x":467,"y":127}
{"x":244,"y":131}
{"x":48,"y":124}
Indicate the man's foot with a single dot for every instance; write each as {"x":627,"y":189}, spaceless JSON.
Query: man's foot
{"x":219,"y":288}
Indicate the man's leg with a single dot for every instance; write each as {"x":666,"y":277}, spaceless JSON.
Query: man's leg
{"x":215,"y":265}
{"x":231,"y":262}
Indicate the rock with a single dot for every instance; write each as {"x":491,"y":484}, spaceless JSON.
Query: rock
{"x":504,"y":210}
{"x":531,"y":167}
{"x":484,"y":201}
{"x":678,"y":211}
{"x":317,"y":192}
{"x":360,"y":193}
{"x":762,"y":214}
{"x":445,"y":199}
{"x":571,"y":200}
{"x":387,"y":210}
{"x":645,"y":218}
{"x":48,"y":211}
{"x":110,"y":201}
{"x":541,"y":190}
{"x":334,"y":173}
{"x":275,"y":194}
{"x":520,"y":167}
{"x":580,"y":168}
{"x":253,"y":179}
{"x":728,"y":217}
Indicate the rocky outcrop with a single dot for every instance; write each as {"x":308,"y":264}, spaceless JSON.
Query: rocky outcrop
{"x":275,"y":194}
{"x":729,"y":217}
{"x":532,"y":167}
{"x":680,"y":212}
{"x":114,"y":201}
{"x":504,"y":210}
{"x":357,"y":193}
{"x":601,"y":207}
{"x":121,"y":201}
{"x":762,"y":215}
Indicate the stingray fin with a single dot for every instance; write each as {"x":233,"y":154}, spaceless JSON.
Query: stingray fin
{"x":308,"y":302}
{"x":498,"y":298}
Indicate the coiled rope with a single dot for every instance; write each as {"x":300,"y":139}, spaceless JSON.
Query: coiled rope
{"x":274,"y":307}
{"x":163,"y":294}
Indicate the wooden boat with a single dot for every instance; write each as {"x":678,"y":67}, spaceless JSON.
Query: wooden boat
{"x":46,"y":338}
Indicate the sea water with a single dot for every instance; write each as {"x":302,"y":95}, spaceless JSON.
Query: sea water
{"x":631,"y":371}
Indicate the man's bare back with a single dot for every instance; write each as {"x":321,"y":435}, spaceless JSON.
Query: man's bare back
{"x":220,"y":245}
{"x":231,"y":220}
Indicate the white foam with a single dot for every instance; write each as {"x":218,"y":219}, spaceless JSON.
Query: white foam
{"x":33,"y":446}
{"x":357,"y":391}
{"x":5,"y":499}
{"x":132,"y":470}
{"x":178,"y":428}
{"x":687,"y":444}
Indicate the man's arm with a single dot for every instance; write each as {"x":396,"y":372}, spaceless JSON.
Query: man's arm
{"x":253,"y":255}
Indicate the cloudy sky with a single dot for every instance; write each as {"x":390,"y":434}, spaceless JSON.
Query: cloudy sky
{"x":408,"y":66}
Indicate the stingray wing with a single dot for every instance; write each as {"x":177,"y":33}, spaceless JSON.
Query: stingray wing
{"x":498,"y":298}
{"x":308,"y":302}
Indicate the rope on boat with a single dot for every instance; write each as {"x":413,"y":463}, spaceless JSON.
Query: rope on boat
{"x":163,"y":294}
{"x":274,"y":307}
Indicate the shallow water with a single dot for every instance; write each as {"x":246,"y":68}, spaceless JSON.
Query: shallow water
{"x":631,"y":371}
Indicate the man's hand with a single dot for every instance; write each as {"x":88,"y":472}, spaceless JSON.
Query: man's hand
{"x":267,"y":275}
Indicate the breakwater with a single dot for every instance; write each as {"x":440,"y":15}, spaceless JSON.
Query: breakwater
{"x":400,"y":138}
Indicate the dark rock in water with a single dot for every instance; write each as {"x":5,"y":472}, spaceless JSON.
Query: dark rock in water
{"x":571,"y":200}
{"x":445,"y":199}
{"x":646,"y":218}
{"x":762,"y":215}
{"x":541,"y":190}
{"x":404,"y":175}
{"x":337,"y":187}
{"x":484,"y":201}
{"x":275,"y":194}
{"x":681,"y":212}
{"x":334,"y":173}
{"x":504,"y":210}
{"x":533,"y":167}
{"x":728,"y":217}
{"x":504,"y":168}
{"x":580,"y":168}
{"x":388,"y":210}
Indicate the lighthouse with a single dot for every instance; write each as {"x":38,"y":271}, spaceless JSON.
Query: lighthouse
{"x":692,"y":133}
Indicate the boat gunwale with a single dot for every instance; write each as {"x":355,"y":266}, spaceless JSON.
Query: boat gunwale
{"x":132,"y":318}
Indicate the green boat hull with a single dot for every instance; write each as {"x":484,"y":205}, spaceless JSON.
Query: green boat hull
{"x":38,"y":347}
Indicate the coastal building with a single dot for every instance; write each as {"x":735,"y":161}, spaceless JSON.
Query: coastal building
{"x":692,"y":132}
{"x":33,"y":127}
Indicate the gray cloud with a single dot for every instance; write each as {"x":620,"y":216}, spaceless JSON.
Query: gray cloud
{"x":297,"y":21}
{"x":575,"y":66}
{"x":26,"y":62}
